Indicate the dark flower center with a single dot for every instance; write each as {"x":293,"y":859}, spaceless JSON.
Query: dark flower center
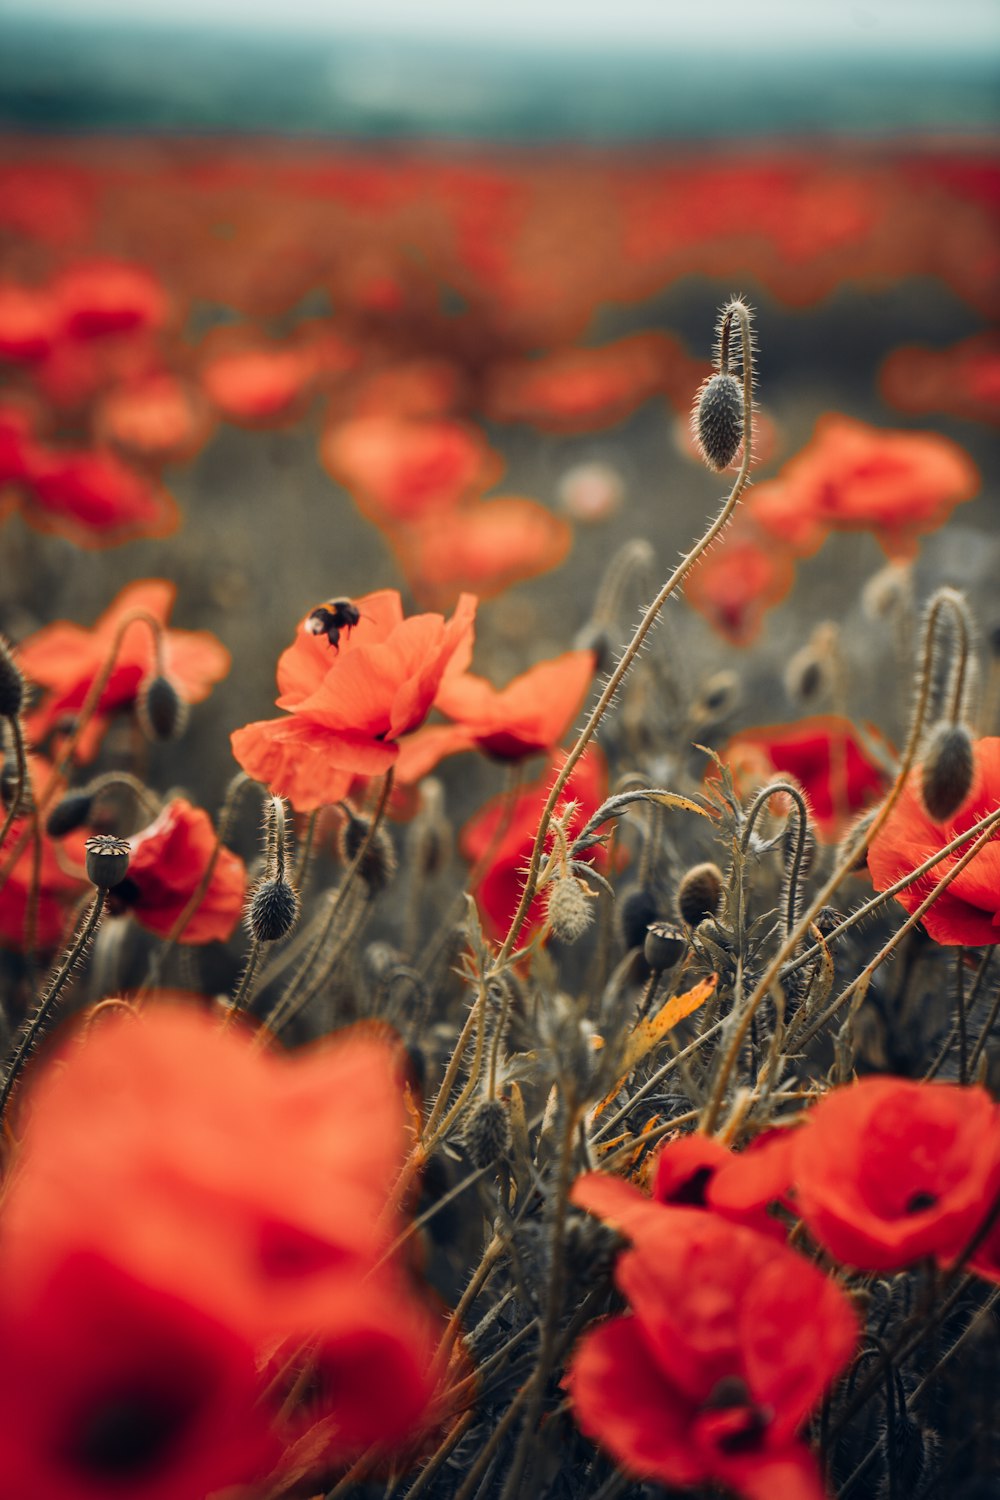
{"x":738,"y":1424}
{"x":692,"y":1190}
{"x":127,"y":1434}
{"x":918,"y":1203}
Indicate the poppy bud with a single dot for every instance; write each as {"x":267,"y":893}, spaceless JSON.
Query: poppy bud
{"x":487,"y":1133}
{"x":11,"y":685}
{"x":107,"y":860}
{"x":69,"y":813}
{"x":379,"y":864}
{"x":665,"y":945}
{"x":162,"y":712}
{"x":272,"y":910}
{"x":947,"y":771}
{"x":807,"y":675}
{"x":8,"y":788}
{"x":717,"y":420}
{"x":637,"y":907}
{"x":596,"y":638}
{"x":570,"y":908}
{"x":699,"y":893}
{"x":860,"y":861}
{"x":719,"y":695}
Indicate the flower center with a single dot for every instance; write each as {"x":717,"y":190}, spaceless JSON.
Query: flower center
{"x":919,"y":1203}
{"x":732,"y":1420}
{"x":128,"y":1434}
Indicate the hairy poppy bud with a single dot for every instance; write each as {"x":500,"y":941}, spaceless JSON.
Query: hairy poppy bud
{"x":11,"y":685}
{"x":699,"y":893}
{"x":637,"y":907}
{"x":719,"y":695}
{"x":69,"y":813}
{"x":717,"y":420}
{"x":570,"y":908}
{"x":162,"y":712}
{"x":860,"y":861}
{"x":596,"y":638}
{"x":665,"y":945}
{"x":379,"y":864}
{"x":946,"y":774}
{"x":107,"y":860}
{"x":487,"y":1133}
{"x":272,"y":910}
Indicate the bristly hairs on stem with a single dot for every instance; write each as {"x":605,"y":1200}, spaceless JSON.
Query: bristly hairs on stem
{"x":735,"y":311}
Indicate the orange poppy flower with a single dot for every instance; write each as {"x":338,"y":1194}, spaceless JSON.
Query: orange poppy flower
{"x":853,"y":477}
{"x":527,"y":717}
{"x":507,"y":827}
{"x":103,"y":297}
{"x":64,"y":658}
{"x":159,"y":419}
{"x":168,"y":862}
{"x":969,"y":910}
{"x":401,"y":469}
{"x":485,"y":545}
{"x":580,"y":390}
{"x":415,"y":389}
{"x":94,"y":498}
{"x":351,"y":703}
{"x":729,"y":1342}
{"x":24,"y":921}
{"x":963,"y":381}
{"x":823,"y":754}
{"x":257,"y":383}
{"x":737,"y":581}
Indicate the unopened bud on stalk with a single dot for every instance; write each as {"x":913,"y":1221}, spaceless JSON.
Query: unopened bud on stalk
{"x":272,"y":910}
{"x":379,"y":864}
{"x":107,"y":860}
{"x":11,"y":685}
{"x":637,"y":907}
{"x":162,"y":712}
{"x":487,"y":1133}
{"x":570,"y":908}
{"x":718,"y":420}
{"x":69,"y":813}
{"x":947,"y":771}
{"x":699,"y":893}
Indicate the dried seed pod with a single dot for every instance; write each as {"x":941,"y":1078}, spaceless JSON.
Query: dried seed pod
{"x":162,"y":711}
{"x":379,"y":864}
{"x":570,"y":908}
{"x":11,"y":684}
{"x":699,"y":893}
{"x":107,"y":860}
{"x":947,"y":771}
{"x":272,"y":910}
{"x":665,"y":945}
{"x":69,"y":813}
{"x":487,"y":1133}
{"x":718,"y":419}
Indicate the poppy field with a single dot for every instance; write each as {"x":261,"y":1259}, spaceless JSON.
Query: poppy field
{"x":499,"y":821}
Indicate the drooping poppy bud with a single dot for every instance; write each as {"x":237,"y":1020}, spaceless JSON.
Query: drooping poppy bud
{"x":570,"y":908}
{"x":946,"y":773}
{"x":487,"y":1133}
{"x":272,"y":910}
{"x":69,"y":813}
{"x":699,"y":893}
{"x":379,"y":864}
{"x":718,"y":420}
{"x":162,"y":711}
{"x":11,"y":685}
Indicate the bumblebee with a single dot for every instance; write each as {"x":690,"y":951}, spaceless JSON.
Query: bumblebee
{"x":331,"y":618}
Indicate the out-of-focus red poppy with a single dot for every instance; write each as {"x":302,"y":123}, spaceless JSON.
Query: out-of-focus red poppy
{"x":24,"y":921}
{"x":737,"y":581}
{"x":101,"y":297}
{"x":963,"y":381}
{"x":350,"y":704}
{"x":169,"y":860}
{"x":257,"y":383}
{"x":730,"y":1342}
{"x":401,"y":470}
{"x":64,"y":658}
{"x":486,"y":545}
{"x":969,"y":910}
{"x":824,"y":754}
{"x":527,"y":717}
{"x":29,"y":322}
{"x":416,"y":389}
{"x":94,"y":498}
{"x":581,"y":390}
{"x":852,"y":477}
{"x":159,"y":419}
{"x":506,"y":827}
{"x":17,"y":446}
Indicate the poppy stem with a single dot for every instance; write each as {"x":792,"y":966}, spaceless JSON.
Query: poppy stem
{"x":742,"y":313}
{"x":963,"y":1040}
{"x":35,"y":1026}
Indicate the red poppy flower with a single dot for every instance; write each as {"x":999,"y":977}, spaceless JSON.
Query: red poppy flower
{"x":350,"y":704}
{"x":969,"y":910}
{"x":853,"y":477}
{"x":414,"y":389}
{"x":530,"y":715}
{"x":825,"y":755}
{"x":258,"y":384}
{"x":963,"y":381}
{"x":29,"y":322}
{"x":730,"y":1342}
{"x":508,"y":827}
{"x":64,"y":658}
{"x":17,"y":447}
{"x":885,"y":1172}
{"x":27,"y":922}
{"x":738,"y":581}
{"x":580,"y":390}
{"x":159,"y":419}
{"x":94,"y":498}
{"x":485,"y":545}
{"x":399,"y":469}
{"x":103,"y":297}
{"x":168,"y":862}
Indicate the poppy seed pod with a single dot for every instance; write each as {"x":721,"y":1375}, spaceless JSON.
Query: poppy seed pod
{"x":69,"y":813}
{"x":664,"y":946}
{"x":718,"y":419}
{"x":487,"y":1133}
{"x":379,"y":864}
{"x":11,"y":685}
{"x":699,"y":893}
{"x":570,"y":908}
{"x":272,"y":910}
{"x":162,"y":712}
{"x":107,"y":860}
{"x":947,"y":770}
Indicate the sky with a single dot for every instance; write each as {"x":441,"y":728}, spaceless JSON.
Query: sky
{"x":957,"y":27}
